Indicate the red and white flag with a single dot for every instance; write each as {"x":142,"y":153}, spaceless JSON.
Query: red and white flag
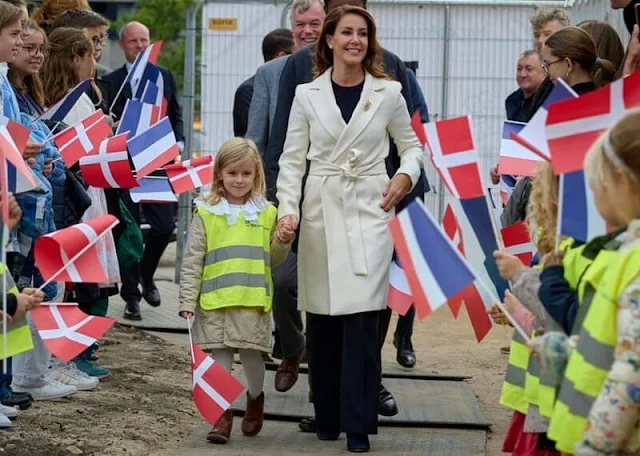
{"x":470,"y":297}
{"x":214,"y":389}
{"x":455,"y":157}
{"x":67,"y":331}
{"x":190,"y":174}
{"x":70,"y":254}
{"x":517,"y":241}
{"x":572,"y":126}
{"x":108,"y":166}
{"x":418,"y":127}
{"x":80,"y":139}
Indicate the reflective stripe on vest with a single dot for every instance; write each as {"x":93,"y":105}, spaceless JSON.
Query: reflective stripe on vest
{"x":589,"y":364}
{"x":513,"y":387}
{"x":237,"y":263}
{"x":18,"y":331}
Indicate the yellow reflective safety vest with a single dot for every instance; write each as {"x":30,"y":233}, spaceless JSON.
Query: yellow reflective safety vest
{"x":590,"y":362}
{"x":18,"y":332}
{"x":584,"y":266}
{"x":237,"y":265}
{"x":538,"y":383}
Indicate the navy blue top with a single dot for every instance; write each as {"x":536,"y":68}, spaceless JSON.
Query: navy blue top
{"x":347,"y":98}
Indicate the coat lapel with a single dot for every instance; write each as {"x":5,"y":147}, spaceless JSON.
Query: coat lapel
{"x":370,"y":101}
{"x":324,"y":104}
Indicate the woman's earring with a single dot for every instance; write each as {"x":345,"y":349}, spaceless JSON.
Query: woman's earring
{"x":330,"y":47}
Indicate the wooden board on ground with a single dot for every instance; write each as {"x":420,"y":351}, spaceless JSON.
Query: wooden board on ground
{"x":421,"y":402}
{"x":283,"y":439}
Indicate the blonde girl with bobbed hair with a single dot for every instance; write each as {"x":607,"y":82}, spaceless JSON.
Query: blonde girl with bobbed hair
{"x":226,"y":274}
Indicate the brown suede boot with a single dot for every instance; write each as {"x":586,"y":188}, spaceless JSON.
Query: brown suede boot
{"x":254,"y":416}
{"x":222,"y":430}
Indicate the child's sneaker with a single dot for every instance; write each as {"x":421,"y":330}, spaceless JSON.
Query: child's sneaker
{"x":69,"y":374}
{"x":51,"y":391}
{"x":5,"y":422}
{"x":9,"y":412}
{"x":91,"y":370}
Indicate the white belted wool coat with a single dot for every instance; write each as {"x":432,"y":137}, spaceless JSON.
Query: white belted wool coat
{"x":345,"y":248}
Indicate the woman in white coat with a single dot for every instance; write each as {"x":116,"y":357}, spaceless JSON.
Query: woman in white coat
{"x":340,"y":123}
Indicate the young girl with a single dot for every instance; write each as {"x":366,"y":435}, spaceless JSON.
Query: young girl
{"x":602,"y":373}
{"x":226,"y":274}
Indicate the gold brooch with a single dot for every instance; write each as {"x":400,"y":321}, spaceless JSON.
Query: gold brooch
{"x":367,"y":105}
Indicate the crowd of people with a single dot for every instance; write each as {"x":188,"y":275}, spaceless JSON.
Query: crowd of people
{"x":42,"y":59}
{"x":296,"y":221}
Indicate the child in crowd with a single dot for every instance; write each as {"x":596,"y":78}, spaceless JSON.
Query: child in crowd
{"x":602,"y":372}
{"x":226,"y":274}
{"x":18,"y":303}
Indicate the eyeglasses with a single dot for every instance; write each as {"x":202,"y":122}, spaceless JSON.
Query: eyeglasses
{"x":33,"y":50}
{"x":99,"y":40}
{"x":545,"y":66}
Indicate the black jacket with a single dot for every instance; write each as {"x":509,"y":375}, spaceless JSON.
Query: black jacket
{"x":298,"y":70}
{"x":241,"y":104}
{"x":517,"y":106}
{"x":112,"y":82}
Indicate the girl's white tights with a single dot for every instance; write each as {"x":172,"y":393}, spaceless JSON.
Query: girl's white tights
{"x":252,"y":363}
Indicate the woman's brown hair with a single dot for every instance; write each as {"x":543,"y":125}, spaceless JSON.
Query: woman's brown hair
{"x":9,"y":14}
{"x":607,"y":41}
{"x":31,"y":84}
{"x":58,"y":72}
{"x":372,"y":62}
{"x":575,"y":44}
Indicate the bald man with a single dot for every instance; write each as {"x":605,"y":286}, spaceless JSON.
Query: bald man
{"x":134,"y":38}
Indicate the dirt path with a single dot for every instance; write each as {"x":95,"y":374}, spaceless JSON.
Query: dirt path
{"x":146,"y":404}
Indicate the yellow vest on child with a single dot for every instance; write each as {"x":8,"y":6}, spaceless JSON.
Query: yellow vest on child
{"x":18,"y":332}
{"x":237,"y":265}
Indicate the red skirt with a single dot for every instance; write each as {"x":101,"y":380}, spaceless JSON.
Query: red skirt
{"x":520,"y":443}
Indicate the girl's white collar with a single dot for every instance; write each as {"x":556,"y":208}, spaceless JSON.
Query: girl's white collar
{"x":251,"y":209}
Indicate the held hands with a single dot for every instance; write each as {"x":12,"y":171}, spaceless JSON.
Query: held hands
{"x":508,"y":265}
{"x":286,"y":229}
{"x":397,"y":189}
{"x":186,"y":315}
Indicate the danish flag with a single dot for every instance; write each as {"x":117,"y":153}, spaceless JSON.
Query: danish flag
{"x":67,"y":331}
{"x":214,"y":389}
{"x":455,"y":157}
{"x":418,"y":127}
{"x":190,"y":174}
{"x":80,"y":139}
{"x":70,"y":254}
{"x":517,"y":241}
{"x":469,"y":296}
{"x":109,"y":167}
{"x":573,"y":125}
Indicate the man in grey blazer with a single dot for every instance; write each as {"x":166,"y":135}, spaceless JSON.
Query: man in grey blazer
{"x":307,"y":17}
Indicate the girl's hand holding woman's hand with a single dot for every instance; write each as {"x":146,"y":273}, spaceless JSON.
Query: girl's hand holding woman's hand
{"x":396,"y":190}
{"x":286,"y":229}
{"x":186,"y":315}
{"x":508,"y":265}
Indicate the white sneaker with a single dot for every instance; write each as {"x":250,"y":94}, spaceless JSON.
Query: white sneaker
{"x":5,"y":423}
{"x":52,"y":390}
{"x":69,"y":374}
{"x":9,"y":412}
